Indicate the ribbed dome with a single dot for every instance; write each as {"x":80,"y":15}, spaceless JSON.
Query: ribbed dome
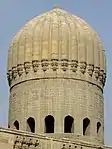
{"x":61,"y":37}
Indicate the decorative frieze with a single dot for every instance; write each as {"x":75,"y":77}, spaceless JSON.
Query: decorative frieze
{"x":25,"y":143}
{"x":14,"y":72}
{"x":90,"y":69}
{"x":54,"y":64}
{"x":45,"y":65}
{"x":101,"y":72}
{"x":63,"y":147}
{"x":10,"y":75}
{"x":35,"y":65}
{"x":27,"y":66}
{"x":96,"y":72}
{"x":97,"y":75}
{"x":9,"y":78}
{"x":64,"y":64}
{"x":82,"y":66}
{"x":104,"y":78}
{"x":20,"y":69}
{"x":74,"y":65}
{"x":71,"y":146}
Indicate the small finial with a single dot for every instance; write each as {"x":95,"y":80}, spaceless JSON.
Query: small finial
{"x":56,"y":6}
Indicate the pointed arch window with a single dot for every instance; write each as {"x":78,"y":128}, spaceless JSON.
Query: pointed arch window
{"x":31,"y":124}
{"x":16,"y":125}
{"x":98,"y":128}
{"x":49,"y":124}
{"x":68,"y":124}
{"x":86,"y":127}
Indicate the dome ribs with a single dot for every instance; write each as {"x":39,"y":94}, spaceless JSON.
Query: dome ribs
{"x":57,"y":41}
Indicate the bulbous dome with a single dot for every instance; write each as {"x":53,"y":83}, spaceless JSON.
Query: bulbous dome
{"x":60,"y":42}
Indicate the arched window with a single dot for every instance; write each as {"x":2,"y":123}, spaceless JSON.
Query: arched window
{"x":68,"y":124}
{"x":49,"y":124}
{"x":16,"y":125}
{"x":98,"y":128}
{"x":86,"y":126}
{"x":31,"y":124}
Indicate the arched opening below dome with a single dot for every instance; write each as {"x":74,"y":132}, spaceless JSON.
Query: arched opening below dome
{"x":98,"y":128}
{"x":68,"y":124}
{"x":31,"y":124}
{"x":49,"y":124}
{"x":86,"y":127}
{"x":16,"y":125}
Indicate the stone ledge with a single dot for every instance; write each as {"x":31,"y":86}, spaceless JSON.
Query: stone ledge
{"x":55,"y":69}
{"x":65,"y":138}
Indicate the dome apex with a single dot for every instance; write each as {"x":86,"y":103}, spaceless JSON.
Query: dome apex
{"x":56,"y":6}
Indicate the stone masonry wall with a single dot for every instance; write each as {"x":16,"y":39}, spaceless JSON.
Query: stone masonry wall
{"x":59,"y":98}
{"x":10,"y":139}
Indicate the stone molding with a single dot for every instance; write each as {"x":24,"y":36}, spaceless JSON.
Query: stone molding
{"x":28,"y":140}
{"x":24,"y":142}
{"x":56,"y":69}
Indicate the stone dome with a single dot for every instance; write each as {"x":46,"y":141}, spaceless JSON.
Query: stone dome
{"x":56,"y":44}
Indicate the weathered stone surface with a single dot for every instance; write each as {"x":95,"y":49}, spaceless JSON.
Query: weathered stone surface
{"x":13,"y":139}
{"x":56,"y":67}
{"x":65,"y":41}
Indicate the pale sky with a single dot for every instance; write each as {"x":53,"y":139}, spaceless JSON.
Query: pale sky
{"x":15,"y":13}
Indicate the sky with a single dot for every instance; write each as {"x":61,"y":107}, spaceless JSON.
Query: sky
{"x":15,"y":13}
